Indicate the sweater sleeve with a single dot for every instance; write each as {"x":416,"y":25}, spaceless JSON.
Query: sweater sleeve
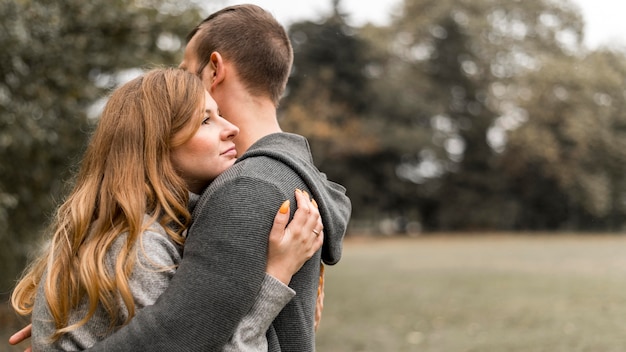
{"x":250,"y":333}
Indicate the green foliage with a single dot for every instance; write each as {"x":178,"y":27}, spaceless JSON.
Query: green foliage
{"x":458,"y":115}
{"x":576,"y":134}
{"x":463,"y":51}
{"x":465,"y":115}
{"x":58,"y":59}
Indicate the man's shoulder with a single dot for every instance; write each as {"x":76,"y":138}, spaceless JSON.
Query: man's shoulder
{"x":258,"y":168}
{"x":255,"y":175}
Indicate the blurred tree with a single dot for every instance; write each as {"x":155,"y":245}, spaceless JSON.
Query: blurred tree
{"x":461,"y":125}
{"x":473,"y":74}
{"x":58,"y":58}
{"x":574,"y":141}
{"x":330,"y":98}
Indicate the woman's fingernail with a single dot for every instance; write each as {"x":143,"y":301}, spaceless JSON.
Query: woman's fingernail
{"x":284,"y":207}
{"x":314,"y":203}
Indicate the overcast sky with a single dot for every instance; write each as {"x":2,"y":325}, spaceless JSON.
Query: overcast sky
{"x":605,"y":19}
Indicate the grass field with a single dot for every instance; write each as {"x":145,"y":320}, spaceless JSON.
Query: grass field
{"x":487,"y":294}
{"x":480,"y":293}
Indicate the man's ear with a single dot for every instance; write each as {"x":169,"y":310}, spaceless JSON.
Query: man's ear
{"x":217,"y":69}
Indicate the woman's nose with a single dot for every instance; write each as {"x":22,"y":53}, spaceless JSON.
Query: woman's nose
{"x":230,"y":131}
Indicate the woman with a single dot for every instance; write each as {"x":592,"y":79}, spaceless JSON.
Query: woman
{"x":118,"y":237}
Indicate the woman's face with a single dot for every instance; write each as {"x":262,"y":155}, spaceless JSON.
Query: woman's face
{"x":209,"y":152}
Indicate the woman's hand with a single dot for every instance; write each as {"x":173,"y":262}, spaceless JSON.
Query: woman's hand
{"x":291,"y":246}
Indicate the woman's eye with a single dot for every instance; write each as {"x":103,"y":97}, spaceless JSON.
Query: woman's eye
{"x":206,"y":120}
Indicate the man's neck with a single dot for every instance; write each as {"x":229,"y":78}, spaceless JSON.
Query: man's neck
{"x":250,"y":133}
{"x":256,"y":118}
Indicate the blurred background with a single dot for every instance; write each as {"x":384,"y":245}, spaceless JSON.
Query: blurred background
{"x":482,"y":142}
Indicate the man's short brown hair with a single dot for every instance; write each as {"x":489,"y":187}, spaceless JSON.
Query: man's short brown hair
{"x":254,"y":41}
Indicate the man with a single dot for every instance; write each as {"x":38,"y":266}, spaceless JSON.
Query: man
{"x":244,"y":57}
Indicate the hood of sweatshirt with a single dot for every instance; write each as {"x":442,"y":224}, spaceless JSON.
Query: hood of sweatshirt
{"x":334,"y":205}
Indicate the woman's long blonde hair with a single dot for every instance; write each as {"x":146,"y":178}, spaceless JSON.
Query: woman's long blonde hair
{"x":125,"y":173}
